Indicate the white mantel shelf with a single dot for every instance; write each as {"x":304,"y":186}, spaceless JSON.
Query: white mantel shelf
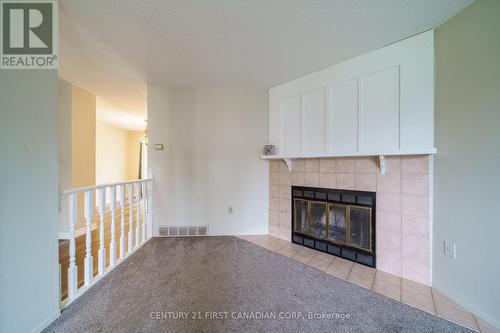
{"x":381,"y":156}
{"x":360,"y":154}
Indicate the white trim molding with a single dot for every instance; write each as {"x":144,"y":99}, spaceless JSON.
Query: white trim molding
{"x":43,"y":325}
{"x":78,"y":233}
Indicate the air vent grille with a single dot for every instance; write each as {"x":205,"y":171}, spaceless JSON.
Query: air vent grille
{"x":182,"y":230}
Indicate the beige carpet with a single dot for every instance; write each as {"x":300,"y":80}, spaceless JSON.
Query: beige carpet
{"x":225,"y":284}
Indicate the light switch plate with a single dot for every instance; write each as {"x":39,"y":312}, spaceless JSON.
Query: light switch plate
{"x":450,"y":249}
{"x":158,"y":146}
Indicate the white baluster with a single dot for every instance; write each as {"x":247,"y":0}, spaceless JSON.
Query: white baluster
{"x":138,"y":214}
{"x":101,"y":205}
{"x":112,"y":242}
{"x":130,"y":216}
{"x":123,"y":203}
{"x":72,"y":269}
{"x":144,"y":208}
{"x":88,"y":263}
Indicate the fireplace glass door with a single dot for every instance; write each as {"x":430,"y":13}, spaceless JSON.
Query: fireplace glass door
{"x":359,"y":227}
{"x":337,"y":227}
{"x":301,"y":223}
{"x":335,"y":221}
{"x":338,"y":223}
{"x":318,"y":219}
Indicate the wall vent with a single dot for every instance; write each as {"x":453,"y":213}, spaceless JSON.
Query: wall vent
{"x":182,"y":230}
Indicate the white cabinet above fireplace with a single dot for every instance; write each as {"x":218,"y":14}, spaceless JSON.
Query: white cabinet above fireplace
{"x":379,"y":103}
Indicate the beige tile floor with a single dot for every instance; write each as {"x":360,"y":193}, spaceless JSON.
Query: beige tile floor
{"x":406,"y":291}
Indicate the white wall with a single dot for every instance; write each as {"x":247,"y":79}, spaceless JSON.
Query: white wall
{"x":83,"y":122}
{"x":213,"y":138}
{"x":467,"y":182}
{"x":133,"y":153}
{"x":111,"y":153}
{"x":64,"y":146}
{"x":29,"y":270}
{"x":117,"y":153}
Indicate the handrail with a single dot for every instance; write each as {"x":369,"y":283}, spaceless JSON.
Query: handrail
{"x":95,"y":187}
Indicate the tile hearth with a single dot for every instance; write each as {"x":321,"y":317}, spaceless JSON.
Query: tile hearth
{"x":409,"y":292}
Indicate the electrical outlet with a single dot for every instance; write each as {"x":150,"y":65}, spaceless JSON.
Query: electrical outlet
{"x":450,"y":249}
{"x":230,"y":210}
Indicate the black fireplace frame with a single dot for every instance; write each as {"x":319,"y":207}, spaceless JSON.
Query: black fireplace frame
{"x":343,"y":197}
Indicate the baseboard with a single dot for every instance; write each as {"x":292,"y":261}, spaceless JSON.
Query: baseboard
{"x":491,"y":321}
{"x":236,"y":234}
{"x":78,"y":233}
{"x":476,"y":312}
{"x":40,"y":327}
{"x":63,"y":235}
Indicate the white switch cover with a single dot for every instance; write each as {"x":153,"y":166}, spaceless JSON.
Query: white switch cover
{"x":450,"y":249}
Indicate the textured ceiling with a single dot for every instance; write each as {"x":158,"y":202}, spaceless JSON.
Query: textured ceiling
{"x":116,"y":48}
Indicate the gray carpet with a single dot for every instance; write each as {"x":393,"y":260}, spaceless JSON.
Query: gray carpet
{"x":227,"y":274}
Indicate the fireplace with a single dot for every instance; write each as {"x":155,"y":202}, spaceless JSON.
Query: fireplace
{"x":338,"y":222}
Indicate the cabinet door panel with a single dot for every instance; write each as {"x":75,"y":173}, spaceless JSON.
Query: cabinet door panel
{"x":313,"y":115}
{"x":291,"y":115}
{"x":342,"y":132}
{"x":379,"y":111}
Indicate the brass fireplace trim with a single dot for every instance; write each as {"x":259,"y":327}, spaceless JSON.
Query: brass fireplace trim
{"x":347,"y":208}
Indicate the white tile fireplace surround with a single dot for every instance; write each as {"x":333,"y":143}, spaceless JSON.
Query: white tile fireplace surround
{"x":402,"y":214}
